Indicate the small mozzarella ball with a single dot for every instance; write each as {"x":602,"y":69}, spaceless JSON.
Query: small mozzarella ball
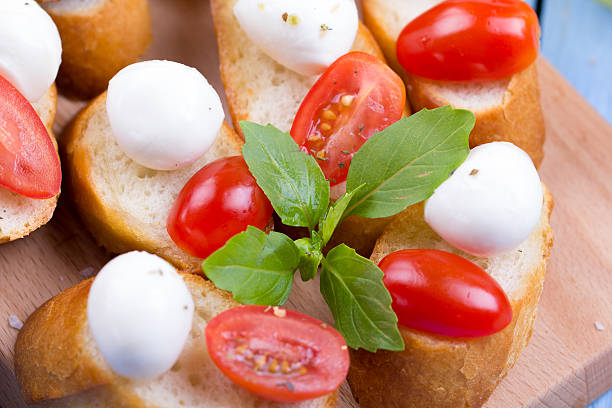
{"x":140,"y":313}
{"x":30,"y":47}
{"x":491,"y":203}
{"x":164,"y":115}
{"x":304,"y":36}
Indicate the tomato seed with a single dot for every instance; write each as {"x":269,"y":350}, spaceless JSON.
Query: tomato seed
{"x":325,"y":127}
{"x":347,"y":100}
{"x":329,"y":115}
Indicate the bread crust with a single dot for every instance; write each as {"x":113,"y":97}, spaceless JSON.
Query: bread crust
{"x":56,"y":368}
{"x":108,"y":226}
{"x":517,"y":119}
{"x":46,"y":109}
{"x":99,"y":42}
{"x":441,"y":372}
{"x":50,"y":360}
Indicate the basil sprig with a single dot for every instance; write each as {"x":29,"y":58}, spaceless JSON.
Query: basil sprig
{"x":395,"y":168}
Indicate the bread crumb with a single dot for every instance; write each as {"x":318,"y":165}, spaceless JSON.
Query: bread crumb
{"x":15,"y":323}
{"x":599,"y":326}
{"x":278,"y":312}
{"x":87,"y":272}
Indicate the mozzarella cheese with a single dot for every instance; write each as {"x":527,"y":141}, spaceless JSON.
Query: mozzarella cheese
{"x":305,"y":36}
{"x":164,"y":115}
{"x":140,"y":313}
{"x":30,"y":47}
{"x":491,"y":203}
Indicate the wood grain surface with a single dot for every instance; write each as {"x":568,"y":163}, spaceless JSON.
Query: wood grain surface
{"x":568,"y":362}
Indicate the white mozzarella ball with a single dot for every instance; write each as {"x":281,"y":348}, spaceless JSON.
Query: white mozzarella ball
{"x":304,"y":36}
{"x":30,"y":47}
{"x":491,"y":203}
{"x":140,"y":313}
{"x":164,"y":115}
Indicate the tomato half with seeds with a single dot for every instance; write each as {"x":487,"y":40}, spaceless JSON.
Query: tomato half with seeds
{"x":470,"y":40}
{"x":218,"y":202}
{"x":357,"y":96}
{"x":29,"y":164}
{"x":443,"y":293}
{"x":278,"y":354}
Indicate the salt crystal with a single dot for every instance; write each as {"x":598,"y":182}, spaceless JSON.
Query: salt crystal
{"x":278,"y":312}
{"x":599,"y":326}
{"x":87,"y":272}
{"x":14,"y":322}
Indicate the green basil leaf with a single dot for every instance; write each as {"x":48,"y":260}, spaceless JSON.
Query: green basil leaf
{"x":310,"y":257}
{"x":292,"y":180}
{"x":258,"y":268}
{"x":335,"y":214}
{"x":352,"y":287}
{"x":406,"y":162}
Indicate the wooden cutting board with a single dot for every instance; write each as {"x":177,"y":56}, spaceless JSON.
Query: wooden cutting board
{"x":568,"y":362}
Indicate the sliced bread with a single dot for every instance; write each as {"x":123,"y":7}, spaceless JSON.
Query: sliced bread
{"x":58,"y":364}
{"x":19,"y":215}
{"x":124,"y":204}
{"x":99,"y":38}
{"x":506,"y":110}
{"x":442,"y":372}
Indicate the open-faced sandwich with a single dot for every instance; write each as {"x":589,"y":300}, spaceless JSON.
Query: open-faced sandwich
{"x":143,"y":335}
{"x":280,"y":64}
{"x":30,"y":171}
{"x":132,"y":150}
{"x":478,"y":55}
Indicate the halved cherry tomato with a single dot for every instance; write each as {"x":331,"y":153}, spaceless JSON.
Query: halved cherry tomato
{"x":470,"y":40}
{"x":218,"y":202}
{"x":29,"y":164}
{"x":443,"y":293}
{"x":357,"y":96}
{"x":278,"y":354}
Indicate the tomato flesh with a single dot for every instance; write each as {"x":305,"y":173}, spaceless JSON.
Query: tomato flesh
{"x":218,"y":202}
{"x":357,"y":96}
{"x":29,"y":164}
{"x":470,"y":40}
{"x":278,"y":354}
{"x":443,"y":293}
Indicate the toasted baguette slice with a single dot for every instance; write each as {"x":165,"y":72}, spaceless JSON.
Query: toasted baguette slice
{"x":58,"y":364}
{"x":506,"y":110}
{"x":441,"y":372}
{"x":19,"y":216}
{"x":99,"y":38}
{"x":124,"y":204}
{"x":261,"y":90}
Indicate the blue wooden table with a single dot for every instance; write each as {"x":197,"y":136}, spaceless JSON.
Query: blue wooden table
{"x":577,"y":40}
